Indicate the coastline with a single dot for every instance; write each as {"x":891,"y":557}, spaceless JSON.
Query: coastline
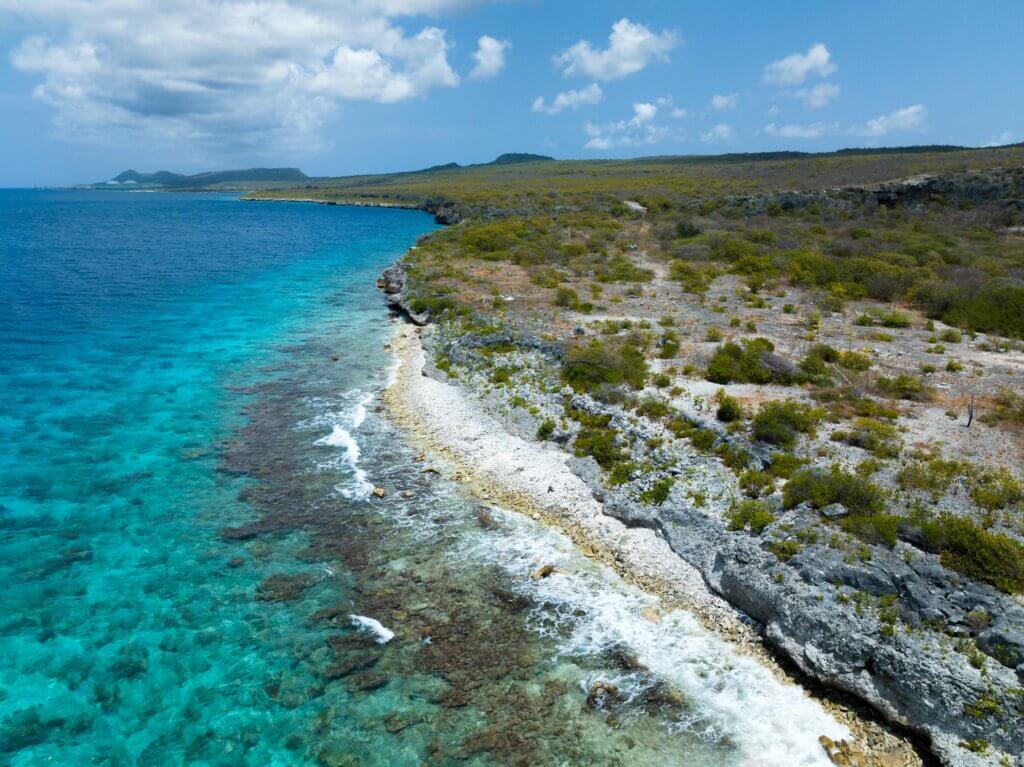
{"x":533,"y":479}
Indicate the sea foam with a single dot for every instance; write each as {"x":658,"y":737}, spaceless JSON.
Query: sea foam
{"x":374,"y":626}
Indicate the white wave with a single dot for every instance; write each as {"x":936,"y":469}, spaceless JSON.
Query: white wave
{"x":359,"y":487}
{"x":770,"y":722}
{"x":374,"y":626}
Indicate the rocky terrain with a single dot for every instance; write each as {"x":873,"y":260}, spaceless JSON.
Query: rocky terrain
{"x":843,"y":470}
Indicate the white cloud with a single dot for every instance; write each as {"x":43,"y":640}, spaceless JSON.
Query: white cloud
{"x":720,"y":102}
{"x":796,"y":68}
{"x":774,"y":110}
{"x":907,"y":119}
{"x":592,"y":94}
{"x":720,"y":132}
{"x":817,"y":96}
{"x":639,"y":130}
{"x":1004,"y":138}
{"x":631,"y":47}
{"x":679,"y":113}
{"x":489,"y":56}
{"x":223,"y":75}
{"x":814,"y":130}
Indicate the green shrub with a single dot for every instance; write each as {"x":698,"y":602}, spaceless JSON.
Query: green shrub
{"x":894,"y":319}
{"x":735,"y":363}
{"x":876,"y":437}
{"x":933,"y":476}
{"x":658,"y":492}
{"x":687,"y":230}
{"x":566,"y":297}
{"x":588,"y":366}
{"x":820,"y":489}
{"x":873,"y":528}
{"x":752,"y":514}
{"x":729,"y":408}
{"x":779,"y":422}
{"x":856,"y":361}
{"x":600,"y":445}
{"x":1009,"y":407}
{"x":977,"y":553}
{"x":783,"y":465}
{"x":652,"y":407}
{"x":902,"y":386}
{"x":995,"y":488}
{"x":662,"y":380}
{"x":785,"y":550}
{"x":694,"y":279}
{"x":703,"y":439}
{"x":621,"y":473}
{"x":951,"y":336}
{"x":545,"y":429}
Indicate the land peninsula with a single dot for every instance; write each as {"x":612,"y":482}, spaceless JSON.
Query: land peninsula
{"x":785,"y":391}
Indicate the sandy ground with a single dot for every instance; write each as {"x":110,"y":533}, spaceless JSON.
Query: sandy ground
{"x":460,"y":439}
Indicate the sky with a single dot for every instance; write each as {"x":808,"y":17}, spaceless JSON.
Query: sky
{"x":89,"y":88}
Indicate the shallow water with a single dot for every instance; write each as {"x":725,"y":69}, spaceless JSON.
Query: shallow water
{"x":195,"y":569}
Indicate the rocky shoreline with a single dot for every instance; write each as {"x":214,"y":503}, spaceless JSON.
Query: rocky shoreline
{"x":821,"y":610}
{"x":452,"y":426}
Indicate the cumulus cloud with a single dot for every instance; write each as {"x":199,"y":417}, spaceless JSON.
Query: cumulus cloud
{"x":631,"y":47}
{"x":817,"y":96}
{"x":910,"y":118}
{"x":720,"y":132}
{"x":592,"y":94}
{"x":721,"y":102}
{"x":489,"y":57}
{"x":224,"y":74}
{"x":814,"y":130}
{"x":796,"y":68}
{"x":1002,"y":139}
{"x":639,"y":130}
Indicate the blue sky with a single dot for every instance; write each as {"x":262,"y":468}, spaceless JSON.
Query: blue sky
{"x":90,"y":87}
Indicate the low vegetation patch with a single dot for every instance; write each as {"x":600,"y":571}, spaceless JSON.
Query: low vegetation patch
{"x":823,"y":488}
{"x":780,"y":422}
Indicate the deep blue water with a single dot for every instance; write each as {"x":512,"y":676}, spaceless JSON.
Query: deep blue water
{"x":189,"y":433}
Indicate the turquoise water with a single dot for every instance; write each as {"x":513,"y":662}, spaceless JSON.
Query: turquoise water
{"x":195,"y":571}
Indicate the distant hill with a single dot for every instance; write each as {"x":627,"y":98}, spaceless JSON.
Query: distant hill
{"x":512,"y":158}
{"x":164,"y":179}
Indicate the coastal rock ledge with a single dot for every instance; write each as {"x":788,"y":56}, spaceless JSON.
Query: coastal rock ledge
{"x":823,"y":611}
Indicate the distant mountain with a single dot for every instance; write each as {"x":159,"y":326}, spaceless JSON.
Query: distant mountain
{"x":166,"y":180}
{"x":516,"y":157}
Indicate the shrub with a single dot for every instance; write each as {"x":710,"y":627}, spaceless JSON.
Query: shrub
{"x":598,"y":444}
{"x":783,"y":465}
{"x":933,"y":476}
{"x":545,"y":429}
{"x":995,"y":488}
{"x":752,"y":514}
{"x":732,"y":362}
{"x":820,"y":489}
{"x":977,"y":553}
{"x":855,"y":361}
{"x":902,"y":386}
{"x":951,"y":336}
{"x":785,"y":550}
{"x":588,"y":366}
{"x":876,"y":437}
{"x":658,"y":492}
{"x":621,"y":473}
{"x":729,"y":408}
{"x":713,"y":334}
{"x":779,"y":422}
{"x":566,"y":297}
{"x":686,"y":230}
{"x":652,"y":407}
{"x":662,"y":380}
{"x":693,"y":278}
{"x":894,"y":319}
{"x":873,"y":528}
{"x":668,"y":346}
{"x":1009,"y":407}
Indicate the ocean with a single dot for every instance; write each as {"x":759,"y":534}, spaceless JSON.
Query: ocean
{"x":196,"y":572}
